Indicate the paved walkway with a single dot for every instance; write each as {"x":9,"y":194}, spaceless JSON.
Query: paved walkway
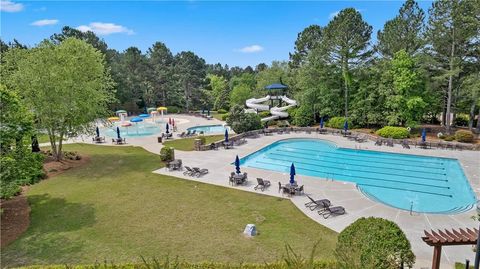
{"x":340,"y":193}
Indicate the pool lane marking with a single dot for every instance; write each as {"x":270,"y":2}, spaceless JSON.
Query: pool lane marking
{"x":376,"y":157}
{"x":368,"y":178}
{"x":353,"y":164}
{"x":349,"y":169}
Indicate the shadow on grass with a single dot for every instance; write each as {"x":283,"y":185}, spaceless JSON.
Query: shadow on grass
{"x":47,"y":239}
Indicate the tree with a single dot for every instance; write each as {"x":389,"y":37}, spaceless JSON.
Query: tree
{"x":161,"y":63}
{"x":452,"y":30}
{"x":404,"y":101}
{"x":67,"y":86}
{"x":243,"y":122}
{"x":88,"y":36}
{"x":240,"y":94}
{"x":190,"y":71}
{"x":20,"y":166}
{"x":404,"y":32}
{"x":347,"y":39}
{"x":220,"y":92}
{"x":307,"y":40}
{"x":373,"y":243}
{"x":278,"y":72}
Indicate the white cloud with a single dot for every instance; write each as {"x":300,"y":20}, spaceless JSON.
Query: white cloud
{"x":102,"y":28}
{"x":44,"y":22}
{"x":9,"y":6}
{"x":251,"y":49}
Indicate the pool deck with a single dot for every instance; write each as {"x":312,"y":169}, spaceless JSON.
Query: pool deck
{"x":339,"y":193}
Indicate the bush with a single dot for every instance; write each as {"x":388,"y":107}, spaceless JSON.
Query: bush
{"x":373,"y":243}
{"x":264,"y":114}
{"x":303,"y":116}
{"x":449,"y":138}
{"x":464,"y":136}
{"x":461,"y":120}
{"x":167,"y":154}
{"x":242,"y":122}
{"x":283,"y":123}
{"x":336,"y":122}
{"x":393,"y":132}
{"x":221,"y":111}
{"x":173,"y":109}
{"x":225,"y":116}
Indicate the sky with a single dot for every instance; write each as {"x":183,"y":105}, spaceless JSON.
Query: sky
{"x":237,"y":33}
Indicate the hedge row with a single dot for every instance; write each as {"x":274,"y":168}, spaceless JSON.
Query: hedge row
{"x":393,"y":132}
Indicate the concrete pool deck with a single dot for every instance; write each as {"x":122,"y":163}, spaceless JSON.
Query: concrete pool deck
{"x":339,"y":193}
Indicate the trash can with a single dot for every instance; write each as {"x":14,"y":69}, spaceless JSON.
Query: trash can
{"x":159,"y":139}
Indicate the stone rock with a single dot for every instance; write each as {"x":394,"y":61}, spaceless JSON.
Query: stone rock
{"x":250,"y":230}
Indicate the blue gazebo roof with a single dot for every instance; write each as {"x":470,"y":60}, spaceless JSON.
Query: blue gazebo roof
{"x":276,"y":86}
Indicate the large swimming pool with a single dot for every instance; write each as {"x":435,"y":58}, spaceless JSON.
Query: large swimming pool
{"x":409,"y":182}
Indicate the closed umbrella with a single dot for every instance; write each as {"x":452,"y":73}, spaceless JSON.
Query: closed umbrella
{"x":118,"y":132}
{"x":167,"y":128}
{"x":237,"y":165}
{"x":169,"y":120}
{"x":226,"y":135}
{"x":424,"y":135}
{"x":292,"y":174}
{"x":321,"y":122}
{"x":97,"y":131}
{"x":208,"y":112}
{"x":345,"y":126}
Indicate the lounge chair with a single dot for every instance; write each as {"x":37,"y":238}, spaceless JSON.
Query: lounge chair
{"x":196,"y":171}
{"x":202,"y":172}
{"x":361,"y":139}
{"x":181,"y":135}
{"x":262,"y":184}
{"x":390,"y":142}
{"x":405,"y":144}
{"x":231,"y":180}
{"x":299,"y":191}
{"x":332,"y":211}
{"x":189,"y":171}
{"x":188,"y":133}
{"x":379,"y":142}
{"x":314,"y":204}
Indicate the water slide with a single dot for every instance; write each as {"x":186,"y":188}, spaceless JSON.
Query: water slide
{"x":255,"y":106}
{"x":280,"y":112}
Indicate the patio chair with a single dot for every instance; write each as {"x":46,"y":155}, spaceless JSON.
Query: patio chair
{"x":299,"y":191}
{"x":181,"y":135}
{"x":213,"y":146}
{"x":245,"y":177}
{"x":405,"y":144}
{"x":193,"y":133}
{"x":332,"y":211}
{"x":231,"y":180}
{"x":390,"y":142}
{"x":188,"y":133}
{"x":202,"y":172}
{"x":189,"y":171}
{"x":379,"y":142}
{"x":262,"y":184}
{"x":314,"y":204}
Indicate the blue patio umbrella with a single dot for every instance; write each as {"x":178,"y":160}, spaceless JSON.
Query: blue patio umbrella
{"x":292,"y":173}
{"x":226,"y":135}
{"x":118,"y":132}
{"x":237,"y":165}
{"x":167,"y":128}
{"x":136,"y":120}
{"x":208,"y":112}
{"x":321,"y":122}
{"x":345,"y":126}
{"x":144,"y":116}
{"x":424,"y":135}
{"x":97,"y":131}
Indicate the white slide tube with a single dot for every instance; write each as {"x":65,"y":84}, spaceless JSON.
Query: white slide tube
{"x":254,"y":103}
{"x":280,"y":112}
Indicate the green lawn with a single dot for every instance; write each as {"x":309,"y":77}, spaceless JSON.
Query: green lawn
{"x":188,"y":144}
{"x":217,"y":116}
{"x":114,"y":208}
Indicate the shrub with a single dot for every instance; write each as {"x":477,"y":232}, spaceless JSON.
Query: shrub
{"x":264,"y":114}
{"x":373,"y":243}
{"x":304,"y":116}
{"x":225,"y":116}
{"x":461,"y":120}
{"x":393,"y":132}
{"x":464,"y":136}
{"x":283,"y":123}
{"x":167,"y":154}
{"x":221,"y":111}
{"x":449,"y":138}
{"x":242,"y":122}
{"x":173,"y":109}
{"x":336,"y":122}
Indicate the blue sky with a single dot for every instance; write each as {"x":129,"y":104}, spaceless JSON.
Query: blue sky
{"x":233,"y":33}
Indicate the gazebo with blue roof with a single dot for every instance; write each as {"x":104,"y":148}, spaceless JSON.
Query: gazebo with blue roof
{"x":276,"y":91}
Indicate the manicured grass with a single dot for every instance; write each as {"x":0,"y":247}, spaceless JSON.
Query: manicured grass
{"x":217,"y":116}
{"x":462,"y":265}
{"x":188,"y":144}
{"x":115,"y":208}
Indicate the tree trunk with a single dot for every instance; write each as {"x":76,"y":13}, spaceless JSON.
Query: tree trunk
{"x":53,"y":143}
{"x":346,"y":82}
{"x":450,"y":86}
{"x":471,"y":115}
{"x":59,"y":150}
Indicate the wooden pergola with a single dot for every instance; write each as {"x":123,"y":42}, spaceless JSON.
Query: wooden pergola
{"x":440,"y":238}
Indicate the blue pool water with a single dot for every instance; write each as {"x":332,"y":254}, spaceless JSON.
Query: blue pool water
{"x":139,"y":129}
{"x":209,"y":128}
{"x":425,"y":184}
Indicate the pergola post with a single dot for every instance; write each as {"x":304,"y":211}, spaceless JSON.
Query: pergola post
{"x":437,"y":254}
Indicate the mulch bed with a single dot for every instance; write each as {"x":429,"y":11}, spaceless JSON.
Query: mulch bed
{"x":15,"y":216}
